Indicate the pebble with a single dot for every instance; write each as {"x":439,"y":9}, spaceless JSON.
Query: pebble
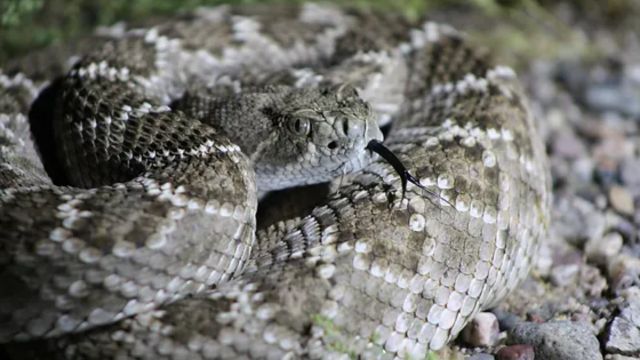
{"x":606,"y":170}
{"x":558,"y":340}
{"x":608,"y":96}
{"x":583,"y":169}
{"x":565,"y":275}
{"x":592,"y":282}
{"x":482,"y":331}
{"x":506,"y":320}
{"x":566,"y":266}
{"x":621,"y":200}
{"x":624,"y":337}
{"x":626,"y":229}
{"x":599,"y":251}
{"x":567,"y":145}
{"x":623,"y":271}
{"x":612,"y":149}
{"x":624,"y":332}
{"x":630,"y":172}
{"x":577,"y":220}
{"x":516,"y":352}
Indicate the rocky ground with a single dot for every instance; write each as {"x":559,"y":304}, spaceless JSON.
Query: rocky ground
{"x":582,"y":300}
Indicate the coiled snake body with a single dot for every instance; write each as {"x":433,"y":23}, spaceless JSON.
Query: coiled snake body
{"x":146,"y":245}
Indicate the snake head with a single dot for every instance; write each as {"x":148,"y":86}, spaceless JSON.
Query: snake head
{"x":318,"y":134}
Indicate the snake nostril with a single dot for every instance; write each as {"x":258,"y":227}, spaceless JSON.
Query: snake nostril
{"x":345,"y":127}
{"x":332,"y":145}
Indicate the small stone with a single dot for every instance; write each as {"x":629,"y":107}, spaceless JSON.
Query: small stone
{"x":482,"y":331}
{"x":621,"y":200}
{"x":558,"y":340}
{"x":627,"y":229}
{"x":583,"y":169}
{"x":516,"y":352}
{"x":564,"y":275}
{"x":624,"y":332}
{"x":506,"y":320}
{"x":606,"y":171}
{"x":592,"y":281}
{"x":630,"y":172}
{"x":613,"y":146}
{"x":577,"y":220}
{"x":624,"y":337}
{"x":599,"y":250}
{"x":567,"y":145}
{"x":623,"y":271}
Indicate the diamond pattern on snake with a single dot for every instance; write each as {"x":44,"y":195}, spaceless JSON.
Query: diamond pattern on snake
{"x":130,"y":184}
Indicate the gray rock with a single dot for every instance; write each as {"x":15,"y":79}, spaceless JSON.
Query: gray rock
{"x":558,"y":340}
{"x":623,"y":271}
{"x":630,"y":172}
{"x":564,"y":275}
{"x":592,"y":282}
{"x":577,"y":220}
{"x":567,"y":145}
{"x":583,"y":169}
{"x":631,"y":312}
{"x":621,"y":200}
{"x":624,"y":337}
{"x":482,"y":331}
{"x":598,"y":251}
{"x":624,"y":332}
{"x":622,"y":99}
{"x":506,"y":320}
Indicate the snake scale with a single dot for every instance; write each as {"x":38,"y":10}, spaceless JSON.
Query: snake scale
{"x":145,"y":244}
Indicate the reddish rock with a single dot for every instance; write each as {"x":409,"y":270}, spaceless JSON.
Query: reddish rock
{"x":516,"y":352}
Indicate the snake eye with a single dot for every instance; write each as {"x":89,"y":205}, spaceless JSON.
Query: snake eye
{"x":300,"y":126}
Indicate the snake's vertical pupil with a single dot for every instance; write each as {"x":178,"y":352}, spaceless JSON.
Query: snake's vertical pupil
{"x":345,"y":126}
{"x":300,"y":126}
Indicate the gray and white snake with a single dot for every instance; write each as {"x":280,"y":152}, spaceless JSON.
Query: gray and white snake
{"x":144,"y":245}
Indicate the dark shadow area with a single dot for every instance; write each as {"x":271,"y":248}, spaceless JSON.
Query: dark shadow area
{"x":290,"y":203}
{"x":41,"y":117}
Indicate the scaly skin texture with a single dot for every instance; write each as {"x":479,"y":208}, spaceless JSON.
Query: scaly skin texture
{"x":368,"y":273}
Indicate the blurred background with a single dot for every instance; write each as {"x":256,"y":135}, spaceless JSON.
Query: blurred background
{"x":32,"y":24}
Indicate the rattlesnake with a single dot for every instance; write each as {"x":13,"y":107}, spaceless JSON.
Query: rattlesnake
{"x":154,"y":253}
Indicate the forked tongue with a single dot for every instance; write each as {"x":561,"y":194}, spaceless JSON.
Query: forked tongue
{"x":405,"y":176}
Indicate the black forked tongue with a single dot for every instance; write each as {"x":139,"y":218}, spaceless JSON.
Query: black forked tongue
{"x":384,"y":152}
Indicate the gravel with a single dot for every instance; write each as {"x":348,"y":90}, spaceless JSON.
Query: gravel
{"x":558,"y":340}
